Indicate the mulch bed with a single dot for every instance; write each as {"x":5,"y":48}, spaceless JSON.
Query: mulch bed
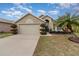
{"x":74,"y":39}
{"x":59,"y":32}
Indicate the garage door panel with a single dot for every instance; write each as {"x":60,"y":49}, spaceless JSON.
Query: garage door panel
{"x":29,"y":29}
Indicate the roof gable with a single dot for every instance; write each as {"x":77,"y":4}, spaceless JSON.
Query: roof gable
{"x":44,"y":17}
{"x":30,"y":15}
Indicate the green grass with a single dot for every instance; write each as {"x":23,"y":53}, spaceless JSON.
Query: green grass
{"x":2,"y":35}
{"x":56,"y":45}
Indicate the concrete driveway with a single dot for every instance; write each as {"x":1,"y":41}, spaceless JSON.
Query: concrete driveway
{"x":18,"y":45}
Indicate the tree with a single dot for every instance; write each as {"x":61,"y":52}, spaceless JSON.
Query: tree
{"x":67,"y":21}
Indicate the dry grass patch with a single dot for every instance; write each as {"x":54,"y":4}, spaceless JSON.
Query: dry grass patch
{"x":56,"y":45}
{"x":2,"y":35}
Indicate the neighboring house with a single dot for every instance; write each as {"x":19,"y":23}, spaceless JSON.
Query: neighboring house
{"x":30,"y":24}
{"x":5,"y":25}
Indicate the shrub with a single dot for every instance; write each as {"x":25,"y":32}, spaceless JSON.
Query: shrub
{"x":13,"y":26}
{"x":43,"y":29}
{"x":50,"y":31}
{"x":43,"y":33}
{"x":42,"y":25}
{"x":14,"y":29}
{"x":47,"y":28}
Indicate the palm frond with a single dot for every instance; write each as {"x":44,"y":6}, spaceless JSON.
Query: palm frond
{"x":75,"y":23}
{"x":75,"y":18}
{"x":61,"y":24}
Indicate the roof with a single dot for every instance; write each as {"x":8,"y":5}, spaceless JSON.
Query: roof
{"x":5,"y":21}
{"x":27,"y":15}
{"x":43,"y":17}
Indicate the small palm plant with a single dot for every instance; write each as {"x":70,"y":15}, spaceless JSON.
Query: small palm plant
{"x":67,"y":21}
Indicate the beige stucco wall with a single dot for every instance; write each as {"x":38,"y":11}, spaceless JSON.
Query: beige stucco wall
{"x":29,"y":19}
{"x":50,"y":22}
{"x":5,"y":27}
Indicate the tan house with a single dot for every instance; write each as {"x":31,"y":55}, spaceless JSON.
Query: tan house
{"x":30,"y":24}
{"x":51,"y":21}
{"x":5,"y":25}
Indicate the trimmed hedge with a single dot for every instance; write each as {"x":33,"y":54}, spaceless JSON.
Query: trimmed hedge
{"x":43,"y":29}
{"x":43,"y":33}
{"x":14,"y":29}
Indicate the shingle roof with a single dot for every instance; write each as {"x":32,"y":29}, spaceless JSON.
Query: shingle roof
{"x":26,"y":15}
{"x":5,"y":21}
{"x":43,"y":17}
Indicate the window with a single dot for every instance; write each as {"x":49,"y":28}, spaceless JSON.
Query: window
{"x":47,"y":21}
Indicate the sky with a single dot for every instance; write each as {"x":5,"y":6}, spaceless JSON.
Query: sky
{"x":14,"y":11}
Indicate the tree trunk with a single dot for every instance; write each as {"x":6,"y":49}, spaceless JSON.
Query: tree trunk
{"x":63,"y":29}
{"x":69,"y":27}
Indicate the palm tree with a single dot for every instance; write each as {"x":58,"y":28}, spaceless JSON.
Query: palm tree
{"x":67,"y":21}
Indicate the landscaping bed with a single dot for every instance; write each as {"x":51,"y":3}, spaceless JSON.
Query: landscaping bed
{"x":74,"y":38}
{"x":60,"y":32}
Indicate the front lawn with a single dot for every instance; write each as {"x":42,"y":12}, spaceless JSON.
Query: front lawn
{"x":2,"y":35}
{"x":56,"y":45}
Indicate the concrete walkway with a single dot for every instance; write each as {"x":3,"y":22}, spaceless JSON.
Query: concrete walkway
{"x":18,"y":45}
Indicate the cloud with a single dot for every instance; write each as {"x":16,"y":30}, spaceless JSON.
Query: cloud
{"x":30,"y":7}
{"x":28,"y":10}
{"x":21,"y":7}
{"x":42,"y":12}
{"x":12,"y":13}
{"x":74,"y":4}
{"x":67,"y":5}
{"x":64,"y":5}
{"x":17,"y":11}
{"x":76,"y":9}
{"x":53,"y":12}
{"x":25,"y":8}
